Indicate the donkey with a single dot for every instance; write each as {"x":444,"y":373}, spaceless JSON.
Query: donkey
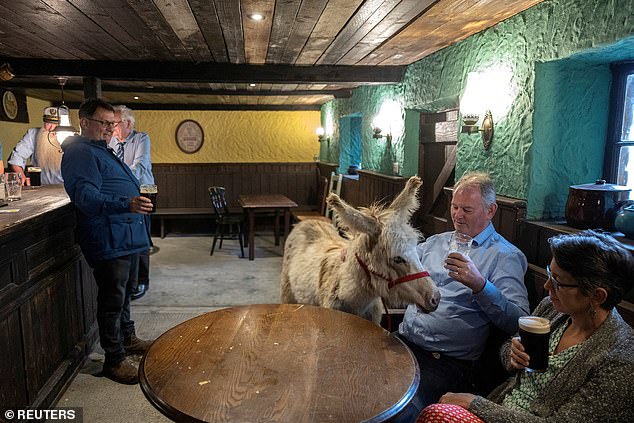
{"x":377,"y":259}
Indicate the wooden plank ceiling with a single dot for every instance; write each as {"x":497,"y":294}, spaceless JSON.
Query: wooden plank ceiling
{"x":212,"y":54}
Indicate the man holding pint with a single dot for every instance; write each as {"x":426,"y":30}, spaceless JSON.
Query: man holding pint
{"x":587,"y":377}
{"x":111,"y":229}
{"x":480,"y":286}
{"x":133,"y":148}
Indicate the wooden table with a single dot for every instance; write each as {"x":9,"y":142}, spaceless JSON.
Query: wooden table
{"x":278,"y":363}
{"x":266,"y":202}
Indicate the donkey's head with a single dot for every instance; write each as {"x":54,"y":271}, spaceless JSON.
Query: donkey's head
{"x":385,"y":244}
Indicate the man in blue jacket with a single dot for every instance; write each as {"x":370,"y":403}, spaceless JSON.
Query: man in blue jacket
{"x":112,"y":231}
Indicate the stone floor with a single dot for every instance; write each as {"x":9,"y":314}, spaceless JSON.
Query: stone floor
{"x":184,"y":282}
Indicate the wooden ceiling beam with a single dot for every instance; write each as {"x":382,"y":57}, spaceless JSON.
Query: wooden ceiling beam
{"x":105,"y":87}
{"x":178,"y":106}
{"x":206,"y":72}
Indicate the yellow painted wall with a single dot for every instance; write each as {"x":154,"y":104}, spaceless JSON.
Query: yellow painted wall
{"x":234,"y":136}
{"x":11,"y":132}
{"x":230,"y":136}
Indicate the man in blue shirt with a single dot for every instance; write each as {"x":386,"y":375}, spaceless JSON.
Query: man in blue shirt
{"x":133,"y":148}
{"x":484,"y":288}
{"x":111,"y":229}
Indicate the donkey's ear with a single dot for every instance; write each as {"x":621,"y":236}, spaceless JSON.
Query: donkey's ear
{"x":353,"y":218}
{"x":406,"y":202}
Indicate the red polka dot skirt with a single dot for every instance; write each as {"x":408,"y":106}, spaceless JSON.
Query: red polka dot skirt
{"x":447,"y":413}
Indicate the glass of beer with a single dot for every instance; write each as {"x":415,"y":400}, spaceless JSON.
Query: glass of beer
{"x":535,"y":335}
{"x":460,"y":243}
{"x":150,"y":191}
{"x":35,"y":174}
{"x":14,"y":186}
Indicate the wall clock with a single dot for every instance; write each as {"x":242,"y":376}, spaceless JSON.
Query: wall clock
{"x":10,"y":105}
{"x":189,"y":136}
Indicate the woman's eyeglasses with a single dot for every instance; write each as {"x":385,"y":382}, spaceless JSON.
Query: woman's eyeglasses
{"x":556,"y":283}
{"x":104,"y":123}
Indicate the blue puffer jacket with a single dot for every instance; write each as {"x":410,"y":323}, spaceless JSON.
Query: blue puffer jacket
{"x":100,"y":187}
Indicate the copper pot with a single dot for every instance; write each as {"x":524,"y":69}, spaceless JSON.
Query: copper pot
{"x":594,"y":206}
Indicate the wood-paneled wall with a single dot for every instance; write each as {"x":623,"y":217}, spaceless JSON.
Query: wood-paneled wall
{"x":47,"y":301}
{"x":185,"y":185}
{"x":368,"y":187}
{"x":374,"y":186}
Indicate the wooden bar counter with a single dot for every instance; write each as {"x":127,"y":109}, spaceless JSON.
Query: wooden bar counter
{"x":47,"y":299}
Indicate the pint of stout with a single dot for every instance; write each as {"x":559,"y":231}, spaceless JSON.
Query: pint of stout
{"x":35,"y":175}
{"x":535,"y":334}
{"x":150,"y":191}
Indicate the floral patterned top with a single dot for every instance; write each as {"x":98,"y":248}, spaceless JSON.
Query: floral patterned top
{"x":532,"y":383}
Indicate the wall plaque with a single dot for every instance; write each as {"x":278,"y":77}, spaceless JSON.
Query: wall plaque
{"x":10,"y":105}
{"x":13,"y":107}
{"x":189,"y":136}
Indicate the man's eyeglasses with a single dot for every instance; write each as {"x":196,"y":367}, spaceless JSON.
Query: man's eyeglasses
{"x":556,"y":283}
{"x":104,"y":123}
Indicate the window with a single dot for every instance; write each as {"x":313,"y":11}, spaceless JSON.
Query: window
{"x":619,"y":157}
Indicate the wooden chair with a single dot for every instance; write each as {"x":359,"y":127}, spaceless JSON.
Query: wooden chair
{"x":228,"y":226}
{"x":325,"y":213}
{"x":335,"y":186}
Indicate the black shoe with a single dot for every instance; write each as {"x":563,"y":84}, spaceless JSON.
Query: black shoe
{"x":139,"y":292}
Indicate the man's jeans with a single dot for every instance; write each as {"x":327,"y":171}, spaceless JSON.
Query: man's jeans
{"x":144,"y":268}
{"x":115,"y":280}
{"x":439,"y":374}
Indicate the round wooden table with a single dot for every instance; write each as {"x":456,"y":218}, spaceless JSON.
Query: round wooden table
{"x":278,"y":363}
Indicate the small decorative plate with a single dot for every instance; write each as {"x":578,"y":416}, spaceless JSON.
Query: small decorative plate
{"x":189,"y":136}
{"x":10,"y":105}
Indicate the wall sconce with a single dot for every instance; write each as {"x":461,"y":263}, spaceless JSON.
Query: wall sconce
{"x":388,"y":122}
{"x":6,"y":72}
{"x":321,"y":135}
{"x":491,"y":89}
{"x":64,"y":129}
{"x":378,"y":133}
{"x":469,"y":126}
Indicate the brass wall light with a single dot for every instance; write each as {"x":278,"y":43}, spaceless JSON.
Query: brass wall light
{"x":469,"y":126}
{"x":321,"y":135}
{"x":6,"y":72}
{"x":377,"y":133}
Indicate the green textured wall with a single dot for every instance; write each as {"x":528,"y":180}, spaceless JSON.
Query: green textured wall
{"x":569,"y":131}
{"x":550,"y":31}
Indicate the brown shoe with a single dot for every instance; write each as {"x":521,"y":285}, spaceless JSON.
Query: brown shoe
{"x":134,"y":345}
{"x":123,"y":372}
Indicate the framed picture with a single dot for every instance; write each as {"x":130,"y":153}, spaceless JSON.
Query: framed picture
{"x":189,"y":136}
{"x":13,"y":107}
{"x":10,"y":105}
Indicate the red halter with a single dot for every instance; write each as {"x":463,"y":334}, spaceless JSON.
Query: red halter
{"x":391,"y":283}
